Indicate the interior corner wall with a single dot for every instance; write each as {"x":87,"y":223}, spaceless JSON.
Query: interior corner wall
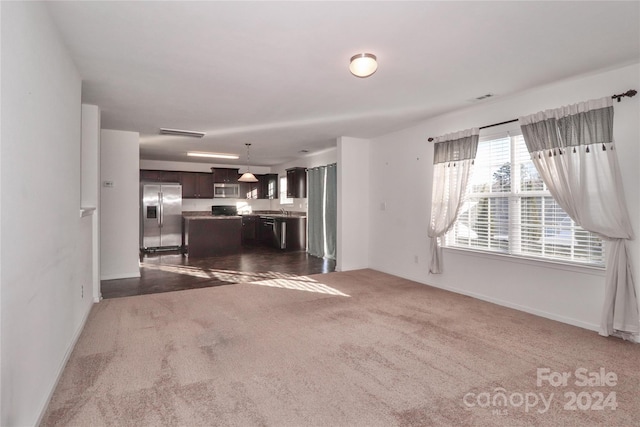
{"x":402,"y":183}
{"x":119,"y":204}
{"x":353,"y":234}
{"x":90,"y":185}
{"x":45,"y":244}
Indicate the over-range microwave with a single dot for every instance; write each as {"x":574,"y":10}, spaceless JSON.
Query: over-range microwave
{"x":230,"y":191}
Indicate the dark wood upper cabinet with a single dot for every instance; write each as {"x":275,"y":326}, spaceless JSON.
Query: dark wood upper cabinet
{"x":225,"y":175}
{"x":189,"y":185}
{"x":205,"y":185}
{"x":297,"y":183}
{"x":196,"y":185}
{"x":159,"y":176}
{"x":199,"y":185}
{"x":249,"y":190}
{"x":265,"y":188}
{"x":268,"y":186}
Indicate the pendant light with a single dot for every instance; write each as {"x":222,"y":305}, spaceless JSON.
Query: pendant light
{"x":248,"y":176}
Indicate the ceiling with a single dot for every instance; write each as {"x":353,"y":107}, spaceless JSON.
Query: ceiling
{"x":275,"y":74}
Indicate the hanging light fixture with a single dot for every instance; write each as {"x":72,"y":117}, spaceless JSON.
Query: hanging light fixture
{"x":363,"y":64}
{"x":248,"y":176}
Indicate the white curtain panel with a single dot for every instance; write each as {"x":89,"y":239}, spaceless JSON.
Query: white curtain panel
{"x":452,"y":161}
{"x":572,"y":148}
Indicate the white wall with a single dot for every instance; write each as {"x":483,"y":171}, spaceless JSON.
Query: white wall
{"x":46,"y":251}
{"x":401,"y":165}
{"x":354,"y":187}
{"x":119,"y":205}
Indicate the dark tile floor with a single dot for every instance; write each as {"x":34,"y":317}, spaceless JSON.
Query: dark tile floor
{"x":172,"y":271}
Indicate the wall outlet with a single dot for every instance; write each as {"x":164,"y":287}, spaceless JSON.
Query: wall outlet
{"x":415,"y":259}
{"x":383,"y":206}
{"x":107,"y":184}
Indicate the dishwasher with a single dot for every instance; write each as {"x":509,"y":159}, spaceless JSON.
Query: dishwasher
{"x":275,"y":232}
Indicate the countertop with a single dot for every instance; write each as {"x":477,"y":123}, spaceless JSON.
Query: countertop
{"x":278,"y":215}
{"x":209,"y":217}
{"x":191,"y":215}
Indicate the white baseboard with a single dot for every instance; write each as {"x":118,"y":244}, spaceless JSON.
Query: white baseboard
{"x":65,"y":359}
{"x":526,"y":309}
{"x":132,"y":275}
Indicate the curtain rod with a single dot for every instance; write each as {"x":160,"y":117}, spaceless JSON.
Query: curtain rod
{"x":629,"y":93}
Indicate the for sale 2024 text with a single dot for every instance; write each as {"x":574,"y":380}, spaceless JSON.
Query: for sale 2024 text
{"x":597,"y":400}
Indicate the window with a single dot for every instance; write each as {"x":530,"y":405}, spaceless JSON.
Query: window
{"x":509,"y":210}
{"x":284,"y":200}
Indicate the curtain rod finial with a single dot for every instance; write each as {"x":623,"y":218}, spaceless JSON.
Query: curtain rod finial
{"x":630,"y":93}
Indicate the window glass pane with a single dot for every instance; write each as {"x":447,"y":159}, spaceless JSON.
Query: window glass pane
{"x":531,"y":225}
{"x":492,"y":167}
{"x":511,"y":211}
{"x":483,"y":223}
{"x":529,"y":179}
{"x":284,"y":200}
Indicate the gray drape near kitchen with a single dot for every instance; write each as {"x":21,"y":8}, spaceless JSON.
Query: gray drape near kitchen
{"x":331,"y":211}
{"x":322,"y":211}
{"x":573,"y":150}
{"x":452,"y":160}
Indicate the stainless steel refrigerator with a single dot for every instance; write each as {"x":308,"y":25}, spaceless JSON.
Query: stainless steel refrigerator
{"x":161,"y":216}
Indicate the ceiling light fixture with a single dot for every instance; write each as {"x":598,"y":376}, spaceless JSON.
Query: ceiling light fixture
{"x":363,"y":64}
{"x":214,"y":155}
{"x":179,"y":132}
{"x":248,"y":176}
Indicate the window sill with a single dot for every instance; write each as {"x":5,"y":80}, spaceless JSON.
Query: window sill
{"x":543,"y":263}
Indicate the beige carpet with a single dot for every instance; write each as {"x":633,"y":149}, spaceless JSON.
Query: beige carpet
{"x":357,"y":348}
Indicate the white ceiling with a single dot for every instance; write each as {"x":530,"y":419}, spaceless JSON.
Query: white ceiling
{"x":275,"y":74}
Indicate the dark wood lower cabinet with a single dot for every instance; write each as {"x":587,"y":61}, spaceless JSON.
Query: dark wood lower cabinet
{"x":211,"y":236}
{"x":286,"y":233}
{"x":249,"y":226}
{"x":296,"y":234}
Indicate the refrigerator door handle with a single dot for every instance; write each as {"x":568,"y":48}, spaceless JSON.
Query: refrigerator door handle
{"x":160,"y":213}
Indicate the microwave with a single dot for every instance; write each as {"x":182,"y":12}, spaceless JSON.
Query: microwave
{"x":230,"y":191}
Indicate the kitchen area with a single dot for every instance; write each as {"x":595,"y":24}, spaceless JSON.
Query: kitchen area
{"x":199,"y":226}
{"x":230,"y":223}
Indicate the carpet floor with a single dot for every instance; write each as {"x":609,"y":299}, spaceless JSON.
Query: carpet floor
{"x":358,"y":348}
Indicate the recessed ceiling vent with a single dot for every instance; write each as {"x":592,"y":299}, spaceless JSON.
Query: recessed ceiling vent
{"x":179,"y":132}
{"x":482,"y":97}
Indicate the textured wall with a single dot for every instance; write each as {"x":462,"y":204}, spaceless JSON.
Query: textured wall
{"x":45,"y":282}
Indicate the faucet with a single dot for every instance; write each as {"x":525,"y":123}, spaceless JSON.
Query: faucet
{"x":283,"y":211}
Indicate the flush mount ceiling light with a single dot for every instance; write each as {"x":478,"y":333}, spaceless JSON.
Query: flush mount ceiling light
{"x":248,"y":176}
{"x":214,"y":155}
{"x":363,"y":64}
{"x":179,"y":132}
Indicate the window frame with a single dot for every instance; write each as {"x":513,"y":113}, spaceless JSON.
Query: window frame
{"x":282,"y":189}
{"x":516,"y":194}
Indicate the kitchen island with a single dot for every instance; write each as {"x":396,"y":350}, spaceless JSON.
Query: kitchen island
{"x":205,"y":235}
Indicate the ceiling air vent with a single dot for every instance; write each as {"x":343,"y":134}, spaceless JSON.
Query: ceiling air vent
{"x":178,"y":132}
{"x":482,"y":97}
